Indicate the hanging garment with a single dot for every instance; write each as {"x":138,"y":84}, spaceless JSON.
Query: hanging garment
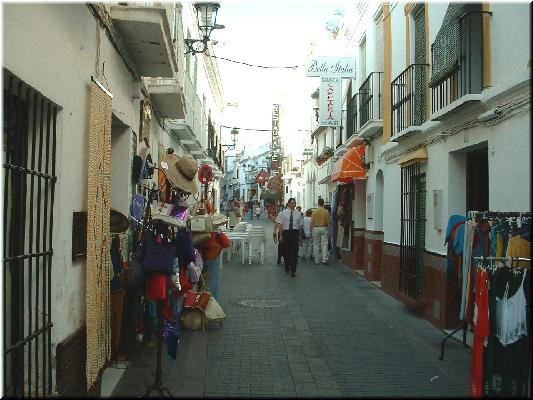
{"x":455,"y":248}
{"x":466,"y":265}
{"x":520,"y":247}
{"x":481,"y":332}
{"x":506,"y":367}
{"x":511,"y":316}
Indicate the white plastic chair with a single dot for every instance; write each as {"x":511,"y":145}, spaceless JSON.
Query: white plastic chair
{"x":256,"y":243}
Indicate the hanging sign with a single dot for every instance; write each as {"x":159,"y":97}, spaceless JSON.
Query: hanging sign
{"x":276,"y":143}
{"x":330,"y":110}
{"x":342,"y":67}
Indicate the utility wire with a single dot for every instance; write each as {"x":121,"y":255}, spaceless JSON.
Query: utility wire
{"x":255,"y":65}
{"x":246,"y":129}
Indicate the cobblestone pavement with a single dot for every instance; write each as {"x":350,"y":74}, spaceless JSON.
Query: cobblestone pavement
{"x":325,"y":333}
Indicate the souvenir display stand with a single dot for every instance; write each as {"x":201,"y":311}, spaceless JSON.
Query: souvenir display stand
{"x":157,"y":385}
{"x":171,"y":240}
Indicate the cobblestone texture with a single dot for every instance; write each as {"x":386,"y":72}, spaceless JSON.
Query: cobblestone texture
{"x":335,"y":335}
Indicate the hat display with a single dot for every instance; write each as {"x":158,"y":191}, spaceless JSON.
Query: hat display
{"x":181,"y":171}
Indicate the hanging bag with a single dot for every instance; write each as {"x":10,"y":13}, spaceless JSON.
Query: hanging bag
{"x":159,"y":253}
{"x":213,"y":311}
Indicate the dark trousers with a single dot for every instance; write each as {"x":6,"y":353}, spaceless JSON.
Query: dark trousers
{"x":291,"y":242}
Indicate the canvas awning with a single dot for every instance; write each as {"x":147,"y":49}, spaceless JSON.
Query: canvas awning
{"x":350,"y":166}
{"x":326,"y":180}
{"x":414,"y":156}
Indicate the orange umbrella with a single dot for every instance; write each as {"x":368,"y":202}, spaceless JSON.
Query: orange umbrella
{"x":350,"y":166}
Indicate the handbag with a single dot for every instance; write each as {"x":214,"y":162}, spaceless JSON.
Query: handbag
{"x":213,"y":311}
{"x":193,"y":319}
{"x":201,"y":223}
{"x":200,"y":237}
{"x":191,"y":298}
{"x":194,"y":269}
{"x":159,"y":254}
{"x":202,"y":299}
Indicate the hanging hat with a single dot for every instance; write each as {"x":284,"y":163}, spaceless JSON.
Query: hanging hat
{"x":118,"y":222}
{"x":219,"y":219}
{"x":181,"y":172}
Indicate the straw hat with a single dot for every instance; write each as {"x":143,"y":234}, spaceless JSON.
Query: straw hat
{"x":118,"y":222}
{"x":181,"y":172}
{"x":219,"y":219}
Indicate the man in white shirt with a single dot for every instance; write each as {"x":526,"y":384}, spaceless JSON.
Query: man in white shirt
{"x":290,"y":222}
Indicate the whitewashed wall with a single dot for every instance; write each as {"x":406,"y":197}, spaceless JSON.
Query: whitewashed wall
{"x":64,"y":49}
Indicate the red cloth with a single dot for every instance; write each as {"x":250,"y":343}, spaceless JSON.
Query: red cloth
{"x":156,"y":286}
{"x":481,"y":332}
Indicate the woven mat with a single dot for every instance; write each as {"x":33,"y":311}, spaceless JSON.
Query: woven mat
{"x":98,"y":235}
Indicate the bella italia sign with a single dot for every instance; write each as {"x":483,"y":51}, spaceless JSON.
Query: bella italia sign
{"x":341,"y":67}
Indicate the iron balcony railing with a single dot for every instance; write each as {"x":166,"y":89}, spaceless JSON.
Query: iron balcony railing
{"x":409,"y":98}
{"x":466,"y":77}
{"x":371,"y":98}
{"x":351,"y":120}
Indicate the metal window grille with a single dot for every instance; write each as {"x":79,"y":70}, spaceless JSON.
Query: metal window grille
{"x":413,"y":230}
{"x":29,"y":184}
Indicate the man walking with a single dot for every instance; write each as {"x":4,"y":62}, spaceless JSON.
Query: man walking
{"x":320,"y":222}
{"x":290,"y":221}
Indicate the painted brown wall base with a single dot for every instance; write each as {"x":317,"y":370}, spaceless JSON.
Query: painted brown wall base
{"x":355,"y":258}
{"x":441,"y":297}
{"x":373,"y":255}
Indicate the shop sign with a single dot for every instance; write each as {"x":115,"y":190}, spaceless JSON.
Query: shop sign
{"x":276,"y":144}
{"x":330,"y":110}
{"x":341,"y":67}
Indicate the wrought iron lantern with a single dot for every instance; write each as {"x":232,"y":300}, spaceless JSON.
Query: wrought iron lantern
{"x":206,"y":15}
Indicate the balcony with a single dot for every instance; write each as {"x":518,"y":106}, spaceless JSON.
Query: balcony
{"x":167,"y":97}
{"x":457,"y":76}
{"x":352,"y":119}
{"x":189,"y":127}
{"x":409,"y":101}
{"x":145,"y":33}
{"x":371,"y":106}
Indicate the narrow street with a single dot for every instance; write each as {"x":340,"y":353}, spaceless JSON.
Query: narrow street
{"x":327,"y":332}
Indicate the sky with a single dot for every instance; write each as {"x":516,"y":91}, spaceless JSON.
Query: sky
{"x":268,"y":33}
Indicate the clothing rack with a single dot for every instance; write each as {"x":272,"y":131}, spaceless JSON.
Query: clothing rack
{"x":485,"y":214}
{"x":503,"y":214}
{"x":509,"y":259}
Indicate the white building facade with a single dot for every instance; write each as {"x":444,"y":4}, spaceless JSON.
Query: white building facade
{"x":173,"y":100}
{"x":458,"y":134}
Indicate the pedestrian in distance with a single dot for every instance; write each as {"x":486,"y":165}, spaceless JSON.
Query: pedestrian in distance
{"x":291,"y":222}
{"x":277,"y":238}
{"x":307,"y":238}
{"x":257,"y":211}
{"x":320,"y":221}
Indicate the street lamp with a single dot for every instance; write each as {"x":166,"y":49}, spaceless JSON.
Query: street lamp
{"x":206,"y":15}
{"x":234,"y":134}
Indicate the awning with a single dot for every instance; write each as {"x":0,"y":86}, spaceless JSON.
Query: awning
{"x":413,"y":157}
{"x":262,"y":177}
{"x":326,"y":180}
{"x":350,"y":166}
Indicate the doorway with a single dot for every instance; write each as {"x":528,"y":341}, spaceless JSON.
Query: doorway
{"x":477,"y":180}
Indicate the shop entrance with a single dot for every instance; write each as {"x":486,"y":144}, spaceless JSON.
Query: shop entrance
{"x":477,"y":180}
